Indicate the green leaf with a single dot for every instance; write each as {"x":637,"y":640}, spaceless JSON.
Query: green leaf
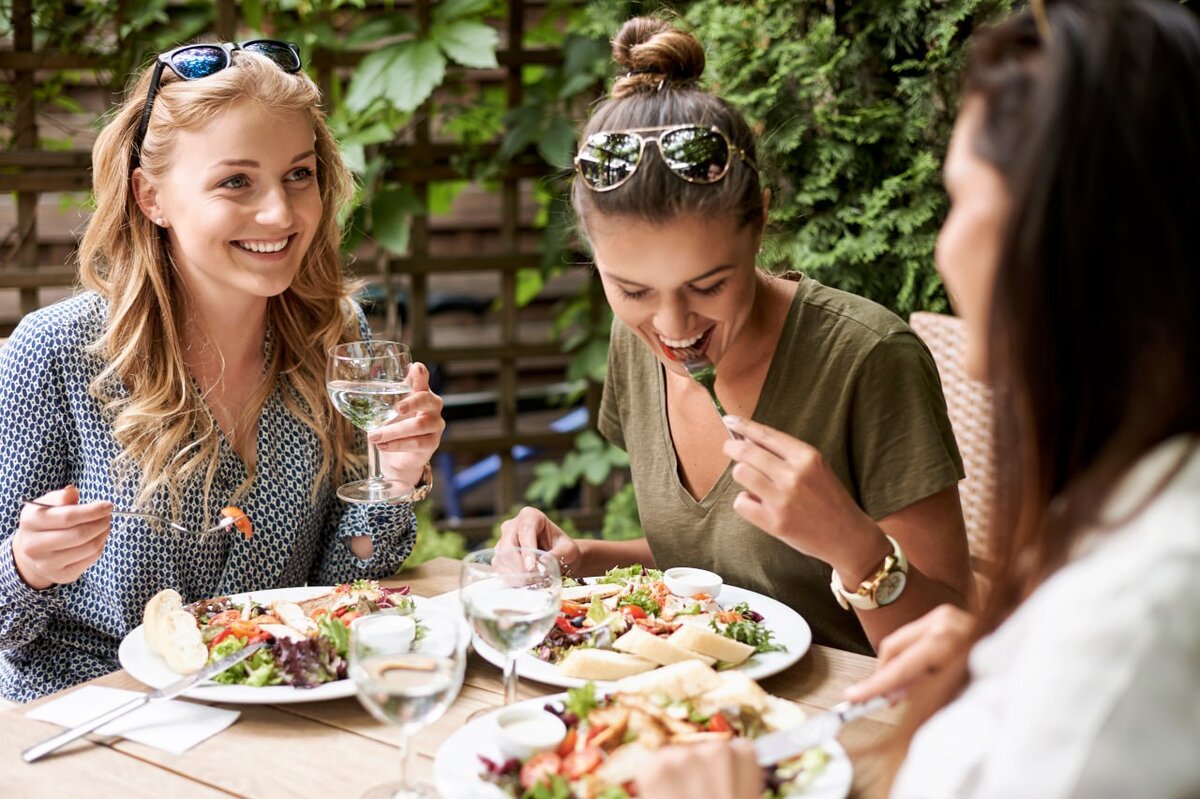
{"x":393,"y":24}
{"x":529,"y":285}
{"x":450,"y":10}
{"x":252,"y":14}
{"x":405,"y":74}
{"x":390,"y":212}
{"x":472,"y":44}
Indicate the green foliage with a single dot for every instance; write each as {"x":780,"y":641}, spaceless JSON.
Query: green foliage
{"x":593,"y":459}
{"x":854,"y":104}
{"x":432,"y":542}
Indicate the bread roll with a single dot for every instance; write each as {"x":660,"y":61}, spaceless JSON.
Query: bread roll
{"x":602,"y":664}
{"x":161,"y":605}
{"x":183,"y":646}
{"x":680,"y":680}
{"x":706,"y":642}
{"x":649,"y":646}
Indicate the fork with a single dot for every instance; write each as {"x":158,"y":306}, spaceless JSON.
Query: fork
{"x":225,"y":523}
{"x":704,"y":372}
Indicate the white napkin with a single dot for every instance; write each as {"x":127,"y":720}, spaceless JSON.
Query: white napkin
{"x":172,"y":726}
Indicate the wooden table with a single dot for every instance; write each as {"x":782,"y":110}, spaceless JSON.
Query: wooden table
{"x":334,"y":749}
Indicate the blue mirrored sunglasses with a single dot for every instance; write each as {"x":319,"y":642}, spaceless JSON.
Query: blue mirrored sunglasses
{"x":195,"y":61}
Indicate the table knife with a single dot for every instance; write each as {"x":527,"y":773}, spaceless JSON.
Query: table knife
{"x":777,"y":746}
{"x":167,"y":692}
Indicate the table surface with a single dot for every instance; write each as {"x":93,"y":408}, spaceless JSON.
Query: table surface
{"x":333,"y":748}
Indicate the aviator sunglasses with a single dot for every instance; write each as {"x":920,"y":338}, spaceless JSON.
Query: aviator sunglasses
{"x":195,"y":61}
{"x":693,"y":153}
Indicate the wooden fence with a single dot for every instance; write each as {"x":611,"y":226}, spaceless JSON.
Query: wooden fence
{"x":489,"y":355}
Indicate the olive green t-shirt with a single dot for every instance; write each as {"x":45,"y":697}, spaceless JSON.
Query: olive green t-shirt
{"x":848,"y":377}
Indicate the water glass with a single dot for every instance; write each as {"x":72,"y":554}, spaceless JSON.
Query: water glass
{"x":404,"y":683}
{"x":365,"y":380}
{"x":511,"y":598}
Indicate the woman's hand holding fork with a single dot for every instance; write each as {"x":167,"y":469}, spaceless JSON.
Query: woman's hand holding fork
{"x":54,"y":546}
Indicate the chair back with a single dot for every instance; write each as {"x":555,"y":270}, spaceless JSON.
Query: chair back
{"x":969,"y":403}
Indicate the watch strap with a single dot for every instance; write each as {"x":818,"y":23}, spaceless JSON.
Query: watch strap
{"x":425,"y":485}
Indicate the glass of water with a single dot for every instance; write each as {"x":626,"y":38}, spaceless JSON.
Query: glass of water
{"x":365,"y":380}
{"x":404,"y":683}
{"x":511,"y":597}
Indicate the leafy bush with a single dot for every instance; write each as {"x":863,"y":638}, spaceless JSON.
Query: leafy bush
{"x":854,"y":104}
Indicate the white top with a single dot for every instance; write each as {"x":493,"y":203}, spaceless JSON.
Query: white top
{"x":1092,"y":687}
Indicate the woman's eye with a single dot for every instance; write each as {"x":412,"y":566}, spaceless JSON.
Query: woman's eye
{"x":301,"y":173}
{"x":235,"y":182}
{"x":632,"y":295}
{"x":710,"y":291}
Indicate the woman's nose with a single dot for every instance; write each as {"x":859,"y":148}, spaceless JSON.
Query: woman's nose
{"x":275,"y":210}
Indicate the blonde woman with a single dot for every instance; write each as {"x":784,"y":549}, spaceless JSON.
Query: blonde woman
{"x":190,"y":374}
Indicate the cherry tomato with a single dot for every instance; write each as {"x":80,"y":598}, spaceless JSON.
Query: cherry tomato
{"x":221,"y":636}
{"x":318,"y":613}
{"x":718,"y":723}
{"x":349,"y":617}
{"x":632,"y":612}
{"x":538,"y":768}
{"x":576,"y":764}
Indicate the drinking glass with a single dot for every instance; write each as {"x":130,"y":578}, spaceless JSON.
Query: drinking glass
{"x":404,"y":684}
{"x":511,"y":597}
{"x":365,"y":380}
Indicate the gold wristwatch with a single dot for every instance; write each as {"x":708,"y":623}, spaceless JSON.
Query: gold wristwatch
{"x":423,"y":488}
{"x":882,"y":588}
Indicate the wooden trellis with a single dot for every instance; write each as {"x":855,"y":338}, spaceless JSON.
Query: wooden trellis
{"x":28,"y":266}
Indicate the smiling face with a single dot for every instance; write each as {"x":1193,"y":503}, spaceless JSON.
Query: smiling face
{"x":241,"y":202}
{"x":968,"y":246}
{"x":689,"y":283}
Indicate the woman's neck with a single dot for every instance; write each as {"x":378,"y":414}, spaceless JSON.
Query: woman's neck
{"x":757,"y":341}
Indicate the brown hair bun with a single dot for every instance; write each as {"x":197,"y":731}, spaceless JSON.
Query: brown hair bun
{"x":652,"y":51}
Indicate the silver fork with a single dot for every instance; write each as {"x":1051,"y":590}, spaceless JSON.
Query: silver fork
{"x":225,"y":523}
{"x":704,"y":372}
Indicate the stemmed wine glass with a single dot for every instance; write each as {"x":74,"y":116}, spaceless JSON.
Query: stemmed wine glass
{"x":404,"y":684}
{"x":365,"y":380}
{"x":511,"y":597}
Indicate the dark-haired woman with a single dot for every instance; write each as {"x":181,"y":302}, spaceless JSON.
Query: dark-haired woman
{"x":1071,"y":253}
{"x":846,"y":455}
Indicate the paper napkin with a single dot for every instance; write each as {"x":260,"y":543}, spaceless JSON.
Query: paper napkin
{"x":171,"y":725}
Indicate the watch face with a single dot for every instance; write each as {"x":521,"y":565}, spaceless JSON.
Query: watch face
{"x":890,"y":588}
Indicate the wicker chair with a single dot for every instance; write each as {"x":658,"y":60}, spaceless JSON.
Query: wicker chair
{"x":969,"y":403}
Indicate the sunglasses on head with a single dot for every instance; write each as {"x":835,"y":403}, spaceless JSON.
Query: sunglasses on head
{"x":694,"y":153}
{"x":195,"y":61}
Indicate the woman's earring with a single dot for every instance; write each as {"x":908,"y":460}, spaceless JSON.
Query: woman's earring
{"x":158,"y":220}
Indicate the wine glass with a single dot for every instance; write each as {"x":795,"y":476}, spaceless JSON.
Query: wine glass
{"x":408,"y":685}
{"x":365,"y":380}
{"x":511,"y":597}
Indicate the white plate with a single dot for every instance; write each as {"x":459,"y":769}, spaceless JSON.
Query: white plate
{"x":149,"y":667}
{"x":457,"y":769}
{"x":788,"y":627}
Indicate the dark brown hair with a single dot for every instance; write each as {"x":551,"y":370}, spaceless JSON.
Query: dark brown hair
{"x":662,"y":66}
{"x":1092,"y":344}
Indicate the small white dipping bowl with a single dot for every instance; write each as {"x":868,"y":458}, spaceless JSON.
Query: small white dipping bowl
{"x":687,"y":581}
{"x":524,"y":732}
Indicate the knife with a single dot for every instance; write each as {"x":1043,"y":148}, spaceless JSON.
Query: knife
{"x":167,"y":692}
{"x":777,"y":746}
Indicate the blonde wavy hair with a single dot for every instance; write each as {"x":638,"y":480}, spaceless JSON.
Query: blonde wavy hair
{"x":159,"y":418}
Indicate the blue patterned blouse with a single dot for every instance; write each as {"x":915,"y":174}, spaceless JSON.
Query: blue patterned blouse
{"x":52,"y":433}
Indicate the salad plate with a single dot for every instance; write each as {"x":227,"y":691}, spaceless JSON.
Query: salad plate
{"x":788,"y":628}
{"x":148,"y":667}
{"x":459,"y":773}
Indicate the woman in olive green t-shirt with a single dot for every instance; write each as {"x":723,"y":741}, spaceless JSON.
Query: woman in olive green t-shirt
{"x":844,"y":440}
